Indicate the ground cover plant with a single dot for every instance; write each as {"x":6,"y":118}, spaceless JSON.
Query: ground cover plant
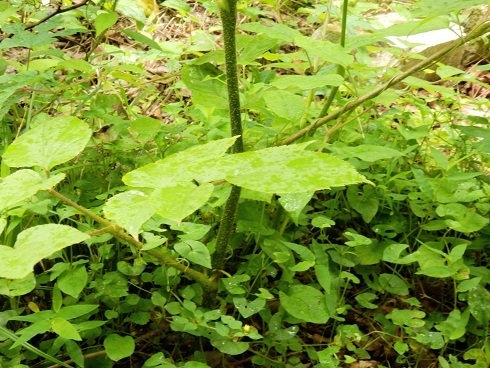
{"x":243,"y":184}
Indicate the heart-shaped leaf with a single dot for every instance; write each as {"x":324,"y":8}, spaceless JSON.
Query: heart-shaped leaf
{"x":22,"y":185}
{"x":49,"y":143}
{"x":194,"y":251}
{"x":176,"y":203}
{"x":118,"y":347}
{"x":33,"y":245}
{"x":305,"y":303}
{"x":129,"y":210}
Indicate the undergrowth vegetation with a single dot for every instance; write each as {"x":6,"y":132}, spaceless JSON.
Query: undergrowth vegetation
{"x":243,"y":184}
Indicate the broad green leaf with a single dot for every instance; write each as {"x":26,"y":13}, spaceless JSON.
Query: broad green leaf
{"x":28,"y":333}
{"x":75,"y":311}
{"x":118,"y":347}
{"x":11,"y":83}
{"x":466,"y":285}
{"x":411,"y":318}
{"x":104,"y":21}
{"x":179,"y":5}
{"x":479,"y":304}
{"x":365,"y":152}
{"x":28,"y":40}
{"x":363,"y":201}
{"x":49,"y":143}
{"x":307,"y":81}
{"x":22,"y":185}
{"x":294,"y":203}
{"x":369,"y":254}
{"x":393,"y":252}
{"x":130,"y":210}
{"x":77,"y":64}
{"x":246,"y":308}
{"x":462,"y":218}
{"x":75,"y":353}
{"x":65,"y":329}
{"x":145,"y":129}
{"x":73,"y":281}
{"x":33,"y":245}
{"x":323,"y":276}
{"x":365,"y":300}
{"x":131,"y":9}
{"x":250,"y":47}
{"x":430,"y":8}
{"x":194,"y":251}
{"x":433,"y":339}
{"x":178,"y":202}
{"x":303,"y":252}
{"x":131,"y":270}
{"x":288,"y":169}
{"x":141,"y":38}
{"x":277,"y":31}
{"x":325,"y":50}
{"x":355,"y":240}
{"x":454,"y":326}
{"x":393,"y":284}
{"x":322,"y":222}
{"x":285,"y":104}
{"x":207,"y":85}
{"x":305,"y":303}
{"x":12,"y":288}
{"x":193,"y":163}
{"x":227,"y":346}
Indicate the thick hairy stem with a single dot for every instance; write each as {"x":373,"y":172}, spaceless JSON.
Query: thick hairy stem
{"x":228,"y":17}
{"x":226,"y":228}
{"x":350,"y":106}
{"x":165,"y":259}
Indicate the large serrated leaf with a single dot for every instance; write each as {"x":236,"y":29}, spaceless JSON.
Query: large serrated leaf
{"x":33,"y":245}
{"x":193,"y":163}
{"x":178,"y":202}
{"x":49,"y":143}
{"x":22,"y":185}
{"x":288,"y":169}
{"x":130,"y":210}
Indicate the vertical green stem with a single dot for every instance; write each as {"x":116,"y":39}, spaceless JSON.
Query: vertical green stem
{"x":340,"y":68}
{"x":228,"y":14}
